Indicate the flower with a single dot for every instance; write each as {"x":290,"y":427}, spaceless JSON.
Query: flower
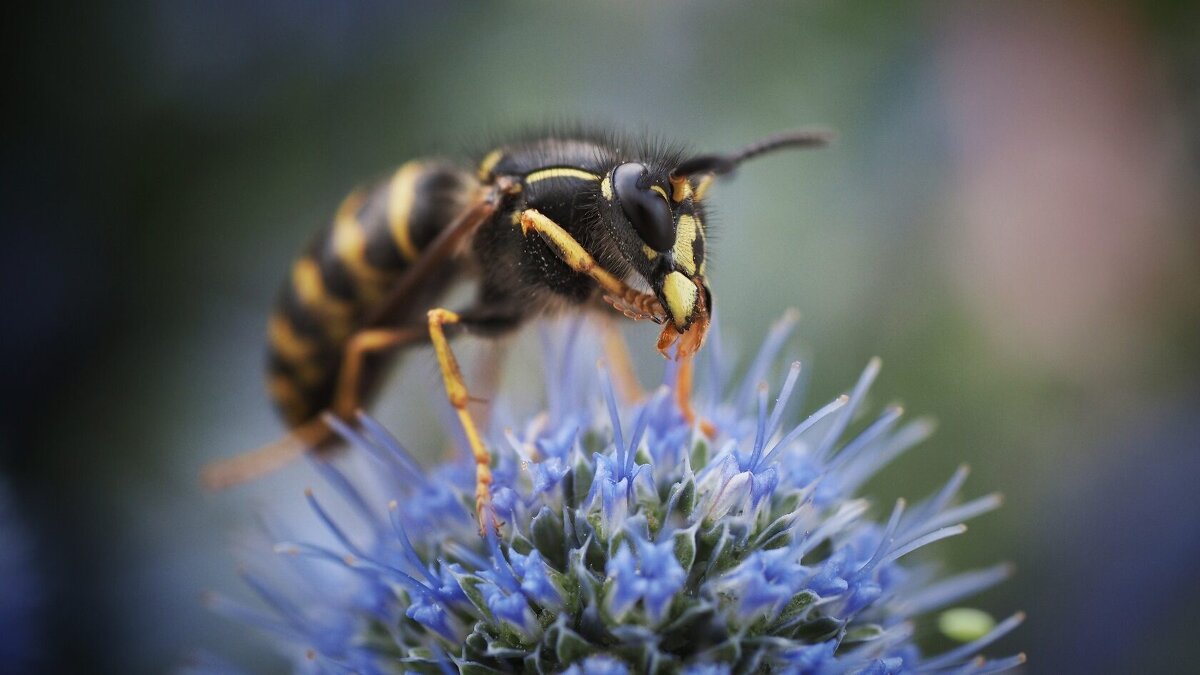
{"x":631,"y":542}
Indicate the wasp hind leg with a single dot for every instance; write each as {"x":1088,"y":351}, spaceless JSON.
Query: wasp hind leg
{"x":347,"y":397}
{"x":263,"y":460}
{"x":315,"y":434}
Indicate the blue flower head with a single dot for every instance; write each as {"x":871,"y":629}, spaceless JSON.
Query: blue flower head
{"x":634,"y":542}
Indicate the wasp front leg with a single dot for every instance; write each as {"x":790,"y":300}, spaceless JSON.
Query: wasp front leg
{"x":574,"y":255}
{"x":683,"y":397}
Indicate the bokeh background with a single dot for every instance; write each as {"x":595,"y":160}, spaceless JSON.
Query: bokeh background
{"x":1009,"y":219}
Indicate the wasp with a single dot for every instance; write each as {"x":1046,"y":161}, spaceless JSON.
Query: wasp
{"x":566,"y":222}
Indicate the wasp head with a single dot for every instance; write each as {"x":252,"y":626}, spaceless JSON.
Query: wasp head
{"x":662,"y":224}
{"x":659,"y":223}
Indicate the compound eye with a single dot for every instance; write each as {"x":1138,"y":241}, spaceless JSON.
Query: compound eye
{"x":646,"y":209}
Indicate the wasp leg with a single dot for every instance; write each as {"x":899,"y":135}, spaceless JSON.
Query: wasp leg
{"x":315,"y":433}
{"x":349,"y":391}
{"x":616,"y":352}
{"x":581,"y":261}
{"x":573,"y":253}
{"x":265,"y":459}
{"x":683,"y":396}
{"x":456,"y":391}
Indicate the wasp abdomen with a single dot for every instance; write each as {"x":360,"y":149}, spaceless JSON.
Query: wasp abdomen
{"x":337,"y":286}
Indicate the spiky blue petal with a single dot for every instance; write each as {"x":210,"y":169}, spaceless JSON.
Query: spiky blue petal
{"x":633,"y":543}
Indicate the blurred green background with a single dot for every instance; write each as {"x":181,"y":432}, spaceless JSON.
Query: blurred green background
{"x":1009,"y":219}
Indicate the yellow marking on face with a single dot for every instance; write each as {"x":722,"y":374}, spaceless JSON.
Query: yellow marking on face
{"x":702,"y":188}
{"x":570,"y":250}
{"x":489,"y":162}
{"x":560,"y":172}
{"x":680,"y":294}
{"x":650,"y":253}
{"x":681,"y":189}
{"x":606,"y":186}
{"x":401,"y":194}
{"x":660,"y":191}
{"x":310,"y":288}
{"x":350,"y":242}
{"x":686,"y":231}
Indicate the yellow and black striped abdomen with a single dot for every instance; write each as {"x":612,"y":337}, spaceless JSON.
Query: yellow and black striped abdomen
{"x":337,"y":285}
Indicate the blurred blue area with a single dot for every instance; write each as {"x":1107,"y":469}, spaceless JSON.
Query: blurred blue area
{"x":23,"y":635}
{"x":1119,"y":545}
{"x":1008,"y":219}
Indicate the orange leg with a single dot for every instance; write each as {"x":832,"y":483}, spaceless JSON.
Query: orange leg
{"x":263,"y":460}
{"x":314,"y":433}
{"x":634,"y":304}
{"x":683,"y":396}
{"x":347,"y":397}
{"x":456,"y":391}
{"x":616,"y":352}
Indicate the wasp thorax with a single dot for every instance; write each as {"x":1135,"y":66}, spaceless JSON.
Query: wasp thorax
{"x":647,"y":209}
